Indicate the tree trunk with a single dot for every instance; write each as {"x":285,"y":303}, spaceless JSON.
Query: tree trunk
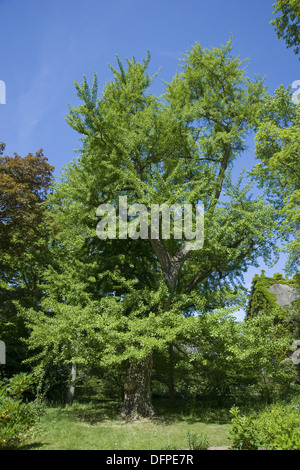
{"x":137,"y":390}
{"x":171,"y":377}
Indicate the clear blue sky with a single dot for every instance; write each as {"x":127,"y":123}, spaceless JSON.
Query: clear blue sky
{"x":46,"y":45}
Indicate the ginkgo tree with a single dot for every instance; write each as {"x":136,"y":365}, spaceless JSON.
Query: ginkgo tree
{"x":147,"y":294}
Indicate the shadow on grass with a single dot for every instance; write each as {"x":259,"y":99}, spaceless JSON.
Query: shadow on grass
{"x":90,"y":413}
{"x":191,"y":412}
{"x":31,"y":446}
{"x":108,"y":410}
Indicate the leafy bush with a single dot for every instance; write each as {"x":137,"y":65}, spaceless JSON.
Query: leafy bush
{"x":280,"y":427}
{"x":243,"y":432}
{"x":197,"y":441}
{"x":275,"y":428}
{"x":16,"y":417}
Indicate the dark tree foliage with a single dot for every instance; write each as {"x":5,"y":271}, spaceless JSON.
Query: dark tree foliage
{"x":24,"y":231}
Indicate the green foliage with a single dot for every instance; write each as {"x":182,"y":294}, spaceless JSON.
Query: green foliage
{"x":210,"y":360}
{"x":243,"y":432}
{"x":197,"y":441}
{"x":266,"y":354}
{"x":235,"y":361}
{"x":287,"y":23}
{"x":275,"y":428}
{"x":262,"y":301}
{"x":117,"y":300}
{"x":16,"y":417}
{"x":278,"y":169}
{"x":285,"y":324}
{"x":280,"y":427}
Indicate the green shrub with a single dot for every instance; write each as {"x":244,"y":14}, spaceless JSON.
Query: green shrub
{"x":280,"y":427}
{"x":275,"y":428}
{"x":16,"y":417}
{"x":197,"y":441}
{"x":243,"y":432}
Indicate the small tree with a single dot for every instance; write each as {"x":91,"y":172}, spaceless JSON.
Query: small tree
{"x":17,"y":418}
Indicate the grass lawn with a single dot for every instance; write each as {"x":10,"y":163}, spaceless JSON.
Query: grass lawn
{"x":98,"y":427}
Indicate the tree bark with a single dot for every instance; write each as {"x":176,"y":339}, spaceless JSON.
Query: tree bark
{"x":171,"y":377}
{"x":137,"y":390}
{"x":170,"y":265}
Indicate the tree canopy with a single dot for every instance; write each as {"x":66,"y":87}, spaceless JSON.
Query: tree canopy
{"x":278,"y":168}
{"x":24,"y":184}
{"x":24,"y":238}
